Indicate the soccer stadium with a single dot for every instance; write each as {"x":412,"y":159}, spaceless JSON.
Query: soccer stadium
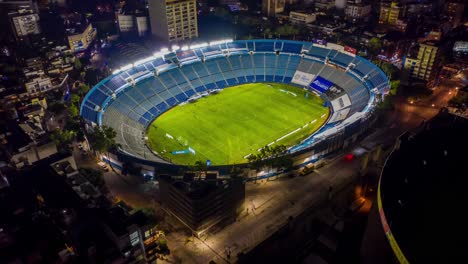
{"x":225,"y":100}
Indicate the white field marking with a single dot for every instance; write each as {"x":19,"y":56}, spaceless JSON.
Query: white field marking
{"x":288,"y":92}
{"x":313,"y":121}
{"x":271,"y":143}
{"x":290,"y":133}
{"x":322,"y":116}
{"x":304,"y":126}
{"x":246,"y":156}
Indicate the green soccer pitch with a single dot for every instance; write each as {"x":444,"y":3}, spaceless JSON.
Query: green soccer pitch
{"x":226,"y":127}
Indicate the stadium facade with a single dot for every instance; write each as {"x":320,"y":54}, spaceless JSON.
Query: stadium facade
{"x":135,"y":95}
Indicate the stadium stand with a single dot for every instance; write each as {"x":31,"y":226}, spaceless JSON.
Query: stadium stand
{"x":130,"y":108}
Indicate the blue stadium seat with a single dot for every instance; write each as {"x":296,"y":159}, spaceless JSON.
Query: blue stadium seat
{"x":264,"y":46}
{"x":292,"y":47}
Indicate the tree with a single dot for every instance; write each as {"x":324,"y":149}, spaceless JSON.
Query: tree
{"x":103,"y":140}
{"x":73,"y":111}
{"x":270,"y":157}
{"x":73,"y":124}
{"x":388,"y":69}
{"x":394,"y":85}
{"x":374,"y":45}
{"x":77,"y":64}
{"x":75,"y":99}
{"x":82,"y":89}
{"x":62,"y":138}
{"x":94,"y":176}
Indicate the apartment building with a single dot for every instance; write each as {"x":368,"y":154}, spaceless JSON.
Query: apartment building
{"x":173,"y":20}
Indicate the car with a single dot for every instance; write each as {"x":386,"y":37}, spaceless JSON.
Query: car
{"x":103,"y":166}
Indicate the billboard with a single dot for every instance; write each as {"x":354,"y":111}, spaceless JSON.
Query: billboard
{"x":339,"y":115}
{"x":320,"y":42}
{"x":341,"y":102}
{"x":178,"y":152}
{"x":335,"y":47}
{"x":350,"y":50}
{"x":302,"y":78}
{"x":320,"y":84}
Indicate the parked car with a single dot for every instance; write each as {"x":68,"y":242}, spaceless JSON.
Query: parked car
{"x":103,"y":166}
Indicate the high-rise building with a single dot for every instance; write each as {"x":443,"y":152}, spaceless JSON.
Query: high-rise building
{"x":389,"y":13}
{"x":173,"y":20}
{"x":201,"y":204}
{"x":455,"y":12}
{"x":423,"y":66}
{"x":357,"y":10}
{"x":129,"y":24}
{"x":272,"y":7}
{"x":24,"y":22}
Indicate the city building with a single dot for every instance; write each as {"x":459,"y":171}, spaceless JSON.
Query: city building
{"x":340,"y":4}
{"x":301,"y":17}
{"x":131,"y":24}
{"x":460,"y":50}
{"x":455,"y":13}
{"x":24,"y":143}
{"x":357,"y":10}
{"x":79,"y":40}
{"x":270,"y":8}
{"x":38,"y":85}
{"x":173,"y":20}
{"x":131,"y":233}
{"x":324,"y":5}
{"x":24,"y":22}
{"x":423,"y":65}
{"x":9,"y":5}
{"x":203,"y":203}
{"x":389,"y":13}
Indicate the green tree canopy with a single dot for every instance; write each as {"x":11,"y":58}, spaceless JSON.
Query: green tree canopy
{"x":75,"y":99}
{"x":77,"y":64}
{"x":103,"y":139}
{"x":73,"y":111}
{"x":82,"y":89}
{"x":394,"y":85}
{"x":62,"y":138}
{"x":374,"y":45}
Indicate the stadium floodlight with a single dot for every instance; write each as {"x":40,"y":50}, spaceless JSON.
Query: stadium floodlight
{"x":157,"y":55}
{"x":126,"y":67}
{"x":184,"y":48}
{"x":175,"y":47}
{"x":116,"y":71}
{"x":145,"y":60}
{"x":223,"y":41}
{"x":197,"y":46}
